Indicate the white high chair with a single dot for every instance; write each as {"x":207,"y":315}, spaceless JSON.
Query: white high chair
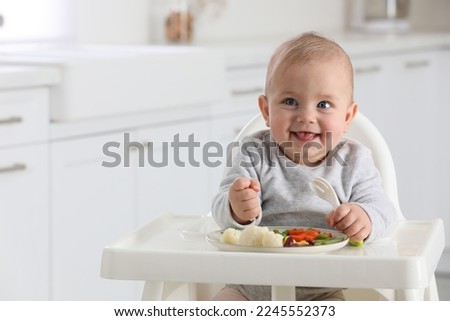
{"x":365,"y":132}
{"x":403,"y":265}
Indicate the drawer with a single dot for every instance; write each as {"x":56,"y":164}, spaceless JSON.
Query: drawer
{"x":24,"y":116}
{"x":246,"y":81}
{"x":24,"y":216}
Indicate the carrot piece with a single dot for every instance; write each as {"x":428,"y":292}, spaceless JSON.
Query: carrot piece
{"x":313,"y":233}
{"x":298,"y":237}
{"x":296,"y":231}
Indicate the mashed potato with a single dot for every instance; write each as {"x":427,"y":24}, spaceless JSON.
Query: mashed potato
{"x":252,"y":235}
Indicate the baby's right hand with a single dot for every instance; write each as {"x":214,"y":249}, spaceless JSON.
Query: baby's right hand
{"x":244,"y":202}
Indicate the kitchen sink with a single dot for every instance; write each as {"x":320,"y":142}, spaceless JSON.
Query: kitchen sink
{"x":108,"y":80}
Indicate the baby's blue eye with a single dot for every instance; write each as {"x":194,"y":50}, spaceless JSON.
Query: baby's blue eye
{"x":323,"y":105}
{"x":290,"y":101}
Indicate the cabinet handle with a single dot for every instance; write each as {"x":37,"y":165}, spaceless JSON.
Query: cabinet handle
{"x":367,"y":70}
{"x":11,"y":120}
{"x":13,"y":168}
{"x":248,"y":91}
{"x":417,"y":64}
{"x":143,"y":143}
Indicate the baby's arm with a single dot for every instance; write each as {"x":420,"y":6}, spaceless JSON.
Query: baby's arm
{"x":244,"y":201}
{"x":352,"y":220}
{"x":366,"y":212}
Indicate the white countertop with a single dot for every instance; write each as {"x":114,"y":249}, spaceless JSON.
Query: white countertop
{"x":257,"y":52}
{"x":105,"y":80}
{"x":12,"y":76}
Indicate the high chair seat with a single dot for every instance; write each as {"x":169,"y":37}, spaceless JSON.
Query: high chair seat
{"x":170,"y":253}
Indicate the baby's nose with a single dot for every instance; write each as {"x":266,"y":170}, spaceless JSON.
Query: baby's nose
{"x":306,"y":116}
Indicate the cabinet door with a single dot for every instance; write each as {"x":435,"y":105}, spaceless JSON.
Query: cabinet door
{"x":24,"y":116}
{"x":414,"y":120}
{"x":92,"y":206}
{"x":245,"y":86}
{"x":372,"y":88}
{"x":224,"y":131}
{"x":24,"y":228}
{"x":173,"y":176}
{"x":399,"y":94}
{"x":441,"y":188}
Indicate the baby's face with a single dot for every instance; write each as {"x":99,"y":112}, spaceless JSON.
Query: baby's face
{"x":308,"y":108}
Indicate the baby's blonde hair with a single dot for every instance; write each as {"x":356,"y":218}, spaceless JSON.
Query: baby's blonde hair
{"x":305,"y":48}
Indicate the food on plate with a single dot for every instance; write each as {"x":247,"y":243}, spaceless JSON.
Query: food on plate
{"x":356,"y":243}
{"x":261,"y":236}
{"x":231,"y":236}
{"x":252,"y":235}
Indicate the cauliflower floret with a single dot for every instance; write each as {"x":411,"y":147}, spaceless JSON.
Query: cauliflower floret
{"x":272,"y":239}
{"x":253,"y":235}
{"x":230,"y":236}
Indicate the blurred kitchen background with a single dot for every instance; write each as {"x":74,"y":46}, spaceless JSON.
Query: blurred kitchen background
{"x":77,"y":74}
{"x":142,"y":21}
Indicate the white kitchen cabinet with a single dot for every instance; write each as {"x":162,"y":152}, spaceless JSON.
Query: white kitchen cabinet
{"x":372,"y":88}
{"x":399,"y":93}
{"x":245,"y":85}
{"x":224,"y":130}
{"x":441,"y":157}
{"x":177,"y":178}
{"x":413,"y":128}
{"x":91,"y":206}
{"x":23,"y":116}
{"x":24,"y":228}
{"x":24,"y":194}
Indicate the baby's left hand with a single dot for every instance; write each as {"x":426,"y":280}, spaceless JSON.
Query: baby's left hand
{"x":352,"y":220}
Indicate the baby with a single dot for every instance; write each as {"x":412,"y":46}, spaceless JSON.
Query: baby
{"x":308,"y":105}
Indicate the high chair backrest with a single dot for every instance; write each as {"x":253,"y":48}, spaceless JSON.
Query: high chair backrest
{"x":364,"y":131}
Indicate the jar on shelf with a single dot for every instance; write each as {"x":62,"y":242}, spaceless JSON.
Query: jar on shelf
{"x":179,"y":23}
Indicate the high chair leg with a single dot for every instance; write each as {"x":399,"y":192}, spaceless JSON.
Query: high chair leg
{"x":153,"y":291}
{"x":431,"y":293}
{"x":283,"y":293}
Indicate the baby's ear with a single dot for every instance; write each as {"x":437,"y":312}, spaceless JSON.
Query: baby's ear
{"x":352,"y":110}
{"x":264,"y":108}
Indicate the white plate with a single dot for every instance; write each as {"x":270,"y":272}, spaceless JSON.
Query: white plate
{"x":213,"y":238}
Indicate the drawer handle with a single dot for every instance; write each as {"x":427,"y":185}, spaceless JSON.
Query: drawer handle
{"x":144,"y":143}
{"x":417,"y":64}
{"x":13,"y":168}
{"x":367,"y":70}
{"x":11,"y":120}
{"x":241,"y":92}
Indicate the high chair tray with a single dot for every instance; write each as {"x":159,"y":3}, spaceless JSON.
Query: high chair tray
{"x":172,"y":248}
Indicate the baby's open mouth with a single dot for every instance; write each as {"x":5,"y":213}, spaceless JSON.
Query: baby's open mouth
{"x":305,"y":136}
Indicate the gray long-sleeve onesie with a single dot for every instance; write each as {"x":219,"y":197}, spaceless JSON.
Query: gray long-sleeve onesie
{"x":286,"y":199}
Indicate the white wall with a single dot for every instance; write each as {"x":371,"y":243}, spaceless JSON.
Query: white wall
{"x":112,"y":21}
{"x":142,"y":21}
{"x":87,"y":21}
{"x":26,"y":20}
{"x":242,"y":19}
